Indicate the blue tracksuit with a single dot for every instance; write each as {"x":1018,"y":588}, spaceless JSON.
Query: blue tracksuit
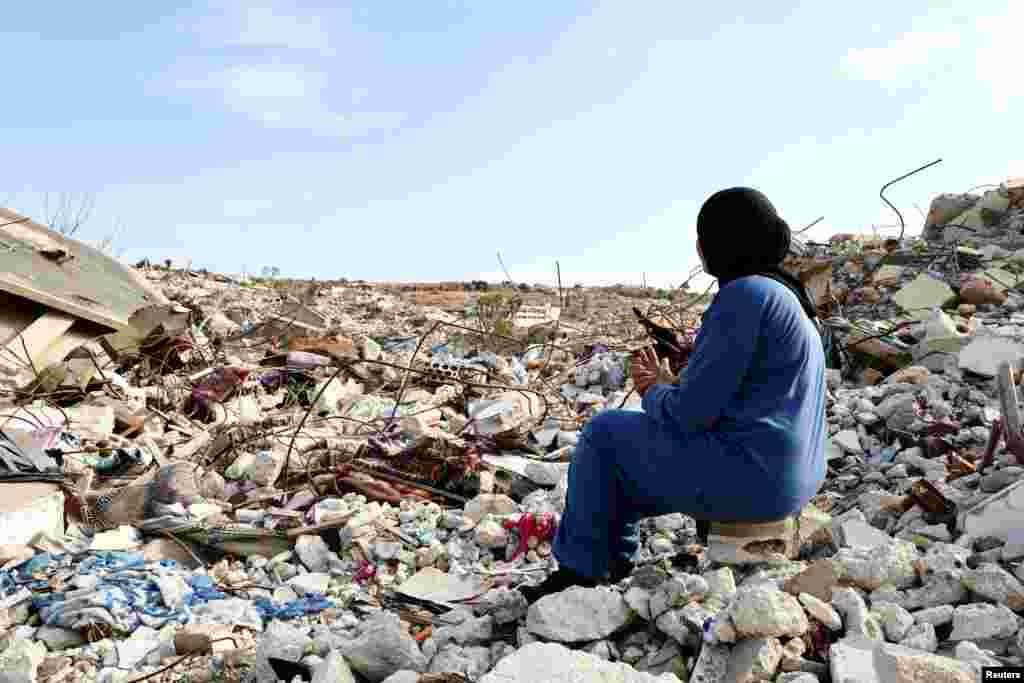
{"x":741,"y":438}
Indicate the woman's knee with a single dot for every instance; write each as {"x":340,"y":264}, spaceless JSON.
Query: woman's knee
{"x":608,"y":422}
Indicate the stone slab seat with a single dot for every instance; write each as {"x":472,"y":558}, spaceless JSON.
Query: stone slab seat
{"x":772,"y":542}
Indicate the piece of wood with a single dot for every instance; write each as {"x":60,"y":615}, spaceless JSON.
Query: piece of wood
{"x":317,"y":528}
{"x":36,"y":339}
{"x":1008,"y":397}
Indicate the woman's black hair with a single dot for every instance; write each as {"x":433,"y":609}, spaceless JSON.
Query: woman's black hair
{"x":741,"y":234}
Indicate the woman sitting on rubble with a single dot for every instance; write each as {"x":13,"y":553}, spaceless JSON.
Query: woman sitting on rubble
{"x":739,"y":438}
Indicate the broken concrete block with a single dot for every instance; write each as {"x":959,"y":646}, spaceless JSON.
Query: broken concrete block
{"x":764,"y":611}
{"x":921,"y":637}
{"x":859,"y":621}
{"x":852,"y":660}
{"x":752,"y":543}
{"x":334,"y":669}
{"x":896,"y":622}
{"x":822,"y":611}
{"x":856,"y":533}
{"x":848,"y":441}
{"x":550,"y":663}
{"x":992,"y":582}
{"x":1001,"y":279}
{"x":922,"y":295}
{"x":818,"y":580}
{"x":872,"y":568}
{"x":977,"y":621}
{"x":903,"y":665}
{"x":995,"y":516}
{"x":984,"y":353}
{"x":382,"y":647}
{"x":711,"y":666}
{"x":943,"y":210}
{"x":754,"y":660}
{"x":578,"y":614}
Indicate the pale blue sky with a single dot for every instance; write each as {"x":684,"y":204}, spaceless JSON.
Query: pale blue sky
{"x":414,"y":140}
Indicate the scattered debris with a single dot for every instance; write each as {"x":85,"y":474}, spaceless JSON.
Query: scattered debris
{"x":344,"y":482}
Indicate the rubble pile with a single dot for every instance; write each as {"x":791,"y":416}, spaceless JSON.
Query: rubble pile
{"x":334,"y":482}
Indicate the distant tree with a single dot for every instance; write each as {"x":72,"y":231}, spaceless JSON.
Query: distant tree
{"x":270,"y":272}
{"x":67,"y":212}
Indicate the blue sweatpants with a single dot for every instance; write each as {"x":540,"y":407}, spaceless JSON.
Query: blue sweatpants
{"x":627,"y":467}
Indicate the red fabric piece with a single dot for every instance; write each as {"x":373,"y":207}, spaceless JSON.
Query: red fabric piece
{"x":530,"y":524}
{"x":365,"y":572}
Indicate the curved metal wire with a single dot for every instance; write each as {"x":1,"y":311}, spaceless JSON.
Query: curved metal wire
{"x":881,"y":193}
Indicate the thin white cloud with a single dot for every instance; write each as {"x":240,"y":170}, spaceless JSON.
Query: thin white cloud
{"x":295,"y":83}
{"x":283,"y":96}
{"x":263,"y":26}
{"x":947,"y":48}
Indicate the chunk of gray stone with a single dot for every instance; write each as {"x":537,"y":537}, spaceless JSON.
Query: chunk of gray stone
{"x":313,"y":552}
{"x":712,"y":665}
{"x":921,"y":637}
{"x":639,"y":600}
{"x":403,"y":677}
{"x":279,"y":641}
{"x":578,"y":614}
{"x":896,"y":664}
{"x":309,"y":584}
{"x":471,"y":661}
{"x":895,"y":620}
{"x":603,"y":649}
{"x":672,"y":593}
{"x":822,"y":611}
{"x":797,"y":677}
{"x":872,"y":568}
{"x":852,"y":660}
{"x":970,"y":653}
{"x":721,"y":583}
{"x":936,"y":616}
{"x":752,"y":660}
{"x":381,"y":648}
{"x":764,"y":611}
{"x":857,"y":533}
{"x":944,"y":557}
{"x":554,"y":663}
{"x":992,"y":582}
{"x":472,"y":631}
{"x":1000,"y":479}
{"x":334,"y":669}
{"x":57,"y":638}
{"x":944,"y":588}
{"x":686,"y":624}
{"x":858,"y":620}
{"x":503,"y":604}
{"x":977,"y":621}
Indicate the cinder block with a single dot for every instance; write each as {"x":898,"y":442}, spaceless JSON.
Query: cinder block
{"x":753,"y":542}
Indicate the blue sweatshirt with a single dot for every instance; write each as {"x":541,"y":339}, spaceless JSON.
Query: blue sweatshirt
{"x":756,"y":384}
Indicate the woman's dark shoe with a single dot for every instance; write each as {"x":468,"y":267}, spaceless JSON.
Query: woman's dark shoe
{"x":620,"y":570}
{"x":562,"y":579}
